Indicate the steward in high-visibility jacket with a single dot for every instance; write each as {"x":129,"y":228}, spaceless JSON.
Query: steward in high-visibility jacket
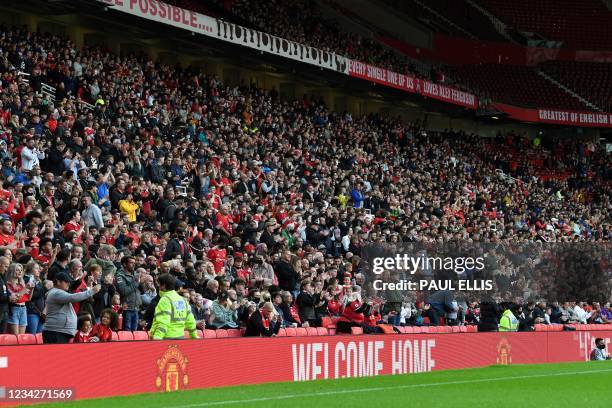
{"x":508,"y":322}
{"x":173,"y":314}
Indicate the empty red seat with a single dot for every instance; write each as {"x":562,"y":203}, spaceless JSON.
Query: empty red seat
{"x":140,"y":335}
{"x":234,"y":333}
{"x":301,"y":331}
{"x":356,"y":330}
{"x":125,"y":336}
{"x":326,"y":321}
{"x":8,"y":339}
{"x":39,"y":339}
{"x":311,"y":331}
{"x":221,"y":333}
{"x":210,"y":334}
{"x":322,"y":331}
{"x":281,"y":332}
{"x":472,"y":329}
{"x":291,"y":331}
{"x":26,"y":338}
{"x":114,"y":336}
{"x":540,"y":327}
{"x":331,"y":331}
{"x":455,"y":329}
{"x":462,"y":329}
{"x":200,"y":334}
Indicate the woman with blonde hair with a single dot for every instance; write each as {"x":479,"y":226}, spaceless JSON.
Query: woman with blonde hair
{"x":19,"y":294}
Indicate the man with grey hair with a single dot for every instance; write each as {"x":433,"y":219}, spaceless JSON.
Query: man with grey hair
{"x":75,"y":267}
{"x":104,"y":258}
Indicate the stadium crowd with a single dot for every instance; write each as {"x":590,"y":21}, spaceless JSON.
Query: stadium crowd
{"x":135,"y":169}
{"x":303,"y":22}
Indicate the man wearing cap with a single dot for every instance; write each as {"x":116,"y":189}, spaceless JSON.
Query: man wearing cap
{"x":61,"y":320}
{"x":173,"y":314}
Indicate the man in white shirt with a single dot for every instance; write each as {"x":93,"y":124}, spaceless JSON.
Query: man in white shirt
{"x":580,"y":314}
{"x":30,"y":155}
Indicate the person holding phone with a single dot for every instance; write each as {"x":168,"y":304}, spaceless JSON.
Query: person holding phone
{"x":61,"y":321}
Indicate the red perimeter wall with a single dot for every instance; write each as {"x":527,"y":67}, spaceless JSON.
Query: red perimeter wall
{"x":121,"y":368}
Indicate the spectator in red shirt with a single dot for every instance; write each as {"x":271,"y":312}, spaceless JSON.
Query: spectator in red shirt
{"x":7,"y":237}
{"x":224,"y":221}
{"x":355,"y":313}
{"x":83,"y":334}
{"x":103,"y":331}
{"x":19,"y":294}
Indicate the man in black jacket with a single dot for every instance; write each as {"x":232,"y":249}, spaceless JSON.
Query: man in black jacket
{"x":60,"y":265}
{"x":286,"y":274}
{"x":263,"y":322}
{"x":4,"y":294}
{"x":307,"y":302}
{"x":178,"y":246}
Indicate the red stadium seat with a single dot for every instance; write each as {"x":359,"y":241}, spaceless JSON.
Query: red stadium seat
{"x":408,"y":329}
{"x":472,"y":329}
{"x":356,"y":330}
{"x":222,"y":333}
{"x":556,"y":327}
{"x":234,"y":333}
{"x":417,"y":329}
{"x":26,"y":339}
{"x":281,"y":332}
{"x":141,"y":335}
{"x":455,"y":329}
{"x":8,"y":339}
{"x":312,"y":331}
{"x":125,"y":336}
{"x":114,"y":336}
{"x":540,"y":327}
{"x":301,"y":331}
{"x":326,"y":321}
{"x":200,"y":334}
{"x":39,"y":339}
{"x":462,"y":329}
{"x":322,"y":331}
{"x":210,"y":334}
{"x":291,"y":331}
{"x":331,"y":331}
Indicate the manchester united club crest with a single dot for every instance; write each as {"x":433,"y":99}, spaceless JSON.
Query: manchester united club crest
{"x":172,"y":370}
{"x":504,"y":348}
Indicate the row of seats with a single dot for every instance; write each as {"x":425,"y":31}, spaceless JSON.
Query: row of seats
{"x":592,"y":80}
{"x":460,"y":12}
{"x":516,"y":85}
{"x":584,"y":24}
{"x":10,"y":339}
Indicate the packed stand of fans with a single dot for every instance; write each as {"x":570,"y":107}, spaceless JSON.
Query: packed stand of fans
{"x":302,"y":21}
{"x":249,"y":201}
